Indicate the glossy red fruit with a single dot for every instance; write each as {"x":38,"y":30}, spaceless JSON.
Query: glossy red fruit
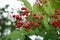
{"x":58,"y":26}
{"x":13,"y":16}
{"x":17,"y":17}
{"x":43,"y":13}
{"x":26,"y":17}
{"x":23,"y":14}
{"x":18,"y":22}
{"x":32,"y":28}
{"x":16,"y":26}
{"x":36,"y":24}
{"x":20,"y":18}
{"x":26,"y":13}
{"x":34,"y":14}
{"x":21,"y":23}
{"x":54,"y":24}
{"x":56,"y":10}
{"x":52,"y":15}
{"x":23,"y":8}
{"x":58,"y":20}
{"x":31,"y":22}
{"x":35,"y":17}
{"x":58,"y":13}
{"x":55,"y":17}
{"x":27,"y":26}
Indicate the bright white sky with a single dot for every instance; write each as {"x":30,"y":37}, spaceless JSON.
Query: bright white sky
{"x":13,"y":3}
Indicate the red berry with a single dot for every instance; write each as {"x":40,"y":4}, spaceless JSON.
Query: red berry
{"x":23,"y":8}
{"x":25,"y":13}
{"x":41,"y":17}
{"x":18,"y":22}
{"x":35,"y":17}
{"x":13,"y":16}
{"x":55,"y":17}
{"x":31,"y":22}
{"x":34,"y":14}
{"x":27,"y":26}
{"x":32,"y":28}
{"x":52,"y":15}
{"x":58,"y":26}
{"x":58,"y":13}
{"x":26,"y":17}
{"x":17,"y":17}
{"x":43,"y":13}
{"x":58,"y":20}
{"x":56,"y":10}
{"x":36,"y":24}
{"x":20,"y":18}
{"x":22,"y":23}
{"x":16,"y":26}
{"x":54,"y":24}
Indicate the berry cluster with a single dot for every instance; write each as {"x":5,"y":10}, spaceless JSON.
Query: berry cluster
{"x":29,"y":24}
{"x":56,"y":22}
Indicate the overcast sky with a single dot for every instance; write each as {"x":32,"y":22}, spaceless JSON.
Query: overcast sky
{"x":13,"y":3}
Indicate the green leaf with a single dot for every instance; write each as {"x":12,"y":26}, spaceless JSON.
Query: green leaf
{"x":45,"y":21}
{"x":15,"y":35}
{"x":42,"y":33}
{"x":51,"y":34}
{"x":37,"y":9}
{"x":58,"y":29}
{"x":36,"y":31}
{"x":55,"y":3}
{"x":30,"y":18}
{"x":30,"y":32}
{"x":48,"y":8}
{"x":27,"y":4}
{"x":0,"y":38}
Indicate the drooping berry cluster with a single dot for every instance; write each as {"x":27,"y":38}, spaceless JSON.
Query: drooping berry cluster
{"x":29,"y":24}
{"x":19,"y":18}
{"x":56,"y":22}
